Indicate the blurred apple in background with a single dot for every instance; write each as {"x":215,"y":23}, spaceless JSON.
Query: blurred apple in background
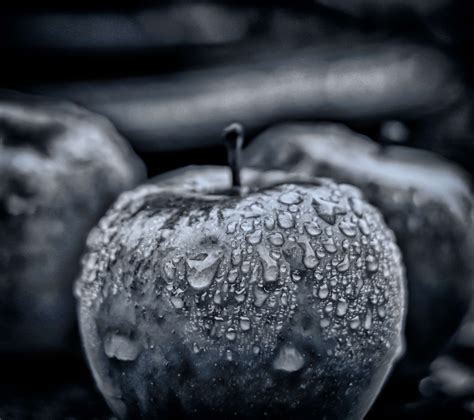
{"x":424,"y":198}
{"x":60,"y":168}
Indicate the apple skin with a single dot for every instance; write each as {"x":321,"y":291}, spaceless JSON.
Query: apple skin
{"x":194,"y":302}
{"x":425,"y":200}
{"x":60,"y":168}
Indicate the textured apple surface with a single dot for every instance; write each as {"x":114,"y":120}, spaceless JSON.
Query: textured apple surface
{"x":60,"y":168}
{"x":287,"y":300}
{"x":425,"y":200}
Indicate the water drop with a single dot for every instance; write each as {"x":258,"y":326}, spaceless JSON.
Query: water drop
{"x":120,"y":347}
{"x":231,"y":227}
{"x":354,"y":323}
{"x":245,"y":266}
{"x":256,"y":350}
{"x":201,"y":270}
{"x":328,"y":211}
{"x":344,"y":265}
{"x":247,"y":225}
{"x":254,"y":277}
{"x":309,"y":258}
{"x":270,"y":266}
{"x":341,"y":308}
{"x":291,"y":197}
{"x":217,"y":297}
{"x":356,"y":205}
{"x":230,"y":334}
{"x":372,"y":264}
{"x":347,"y":228}
{"x":312,"y":228}
{"x":285,"y":220}
{"x":236,"y":256}
{"x":177,"y":302}
{"x":276,"y":239}
{"x":260,"y":296}
{"x":240,"y":295}
{"x":364,"y":227}
{"x":296,"y":277}
{"x":329,"y":307}
{"x":324,"y":323}
{"x":269,"y":223}
{"x":228,"y":355}
{"x":288,"y":359}
{"x":233,"y":274}
{"x":255,"y":237}
{"x":244,"y":323}
{"x":368,"y":320}
{"x":170,"y":270}
{"x":323,"y":291}
{"x":329,"y":245}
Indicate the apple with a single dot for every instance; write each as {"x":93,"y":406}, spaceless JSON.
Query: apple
{"x":60,"y":168}
{"x":424,"y":199}
{"x":283,"y":296}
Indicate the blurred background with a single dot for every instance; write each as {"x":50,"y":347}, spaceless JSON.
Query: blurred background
{"x":171,"y":74}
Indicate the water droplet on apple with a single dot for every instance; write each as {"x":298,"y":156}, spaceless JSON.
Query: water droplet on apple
{"x":356,"y":205}
{"x":312,"y":228}
{"x":276,"y":239}
{"x":288,"y":359}
{"x":341,"y":308}
{"x":296,"y":276}
{"x":291,"y":197}
{"x":368,"y":320}
{"x":231,"y":227}
{"x":324,"y":322}
{"x":323,"y":291}
{"x":170,"y":270}
{"x":364,"y":227}
{"x":372,"y":264}
{"x":247,"y":225}
{"x":236,"y":256}
{"x":329,"y":245}
{"x":245,"y":266}
{"x":254,"y":238}
{"x":230,"y":334}
{"x":244,"y":323}
{"x":354,"y":323}
{"x":347,"y":228}
{"x":269,"y":223}
{"x":327,"y":210}
{"x":344,"y":265}
{"x":270,"y":266}
{"x":285,"y":220}
{"x":120,"y":347}
{"x":201,"y":269}
{"x":177,"y":302}
{"x":260,"y":296}
{"x":217,"y":297}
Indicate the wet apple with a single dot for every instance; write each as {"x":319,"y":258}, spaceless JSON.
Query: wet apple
{"x":282,"y":297}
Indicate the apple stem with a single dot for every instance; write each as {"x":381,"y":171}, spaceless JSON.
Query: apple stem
{"x":234,"y":138}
